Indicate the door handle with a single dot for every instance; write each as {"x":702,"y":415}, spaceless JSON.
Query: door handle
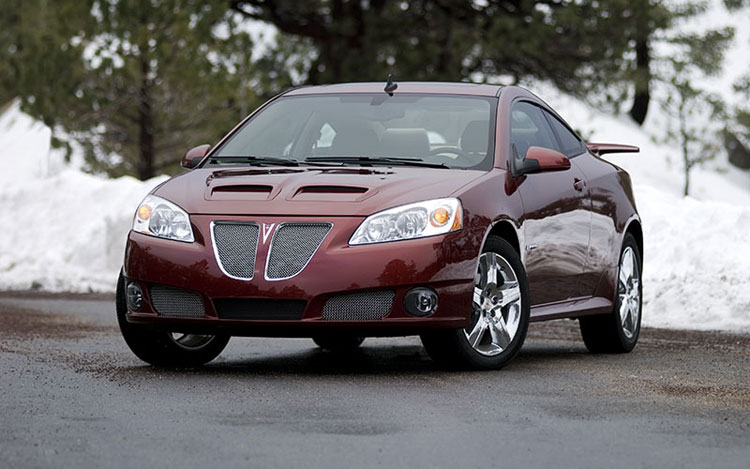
{"x":578,"y":184}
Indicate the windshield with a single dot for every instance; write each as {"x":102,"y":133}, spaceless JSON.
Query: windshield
{"x":446,"y":131}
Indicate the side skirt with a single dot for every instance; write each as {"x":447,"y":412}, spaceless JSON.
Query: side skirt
{"x":571,"y":308}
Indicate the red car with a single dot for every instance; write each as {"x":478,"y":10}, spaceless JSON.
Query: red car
{"x":453,"y":211}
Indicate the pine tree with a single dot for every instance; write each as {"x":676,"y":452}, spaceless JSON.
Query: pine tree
{"x":160,"y":80}
{"x":694,"y":112}
{"x":41,"y":61}
{"x":137,"y":82}
{"x":737,"y":130}
{"x":651,"y":27}
{"x":350,"y":40}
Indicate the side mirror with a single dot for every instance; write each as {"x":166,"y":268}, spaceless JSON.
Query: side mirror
{"x":194,"y":156}
{"x":539,"y":160}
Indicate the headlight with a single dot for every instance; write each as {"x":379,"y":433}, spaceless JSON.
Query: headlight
{"x":418,"y":220}
{"x":159,"y":217}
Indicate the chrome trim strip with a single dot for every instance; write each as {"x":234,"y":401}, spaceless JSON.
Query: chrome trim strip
{"x":216,"y":252}
{"x":270,"y":247}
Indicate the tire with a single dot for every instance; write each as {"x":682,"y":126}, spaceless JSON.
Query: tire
{"x":617,"y":332}
{"x":338,"y":343}
{"x":499,"y":318}
{"x":161,"y":348}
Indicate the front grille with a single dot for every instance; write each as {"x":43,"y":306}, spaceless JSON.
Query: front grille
{"x":235,"y":246}
{"x":361,"y":306}
{"x":259,"y":309}
{"x":292,"y":247}
{"x":177,"y":303}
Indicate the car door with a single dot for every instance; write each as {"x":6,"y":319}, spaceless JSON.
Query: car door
{"x":600,"y":227}
{"x":557,"y":219}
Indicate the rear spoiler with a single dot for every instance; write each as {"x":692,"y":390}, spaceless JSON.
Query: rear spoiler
{"x":604,"y":148}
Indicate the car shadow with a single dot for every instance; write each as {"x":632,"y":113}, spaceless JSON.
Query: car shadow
{"x":379,"y":360}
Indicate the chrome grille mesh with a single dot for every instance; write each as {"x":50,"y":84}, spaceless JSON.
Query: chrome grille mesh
{"x":236,"y":245}
{"x":292,"y":247}
{"x":174,"y":302}
{"x":361,"y":306}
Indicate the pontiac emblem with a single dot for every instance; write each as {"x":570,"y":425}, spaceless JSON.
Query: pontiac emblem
{"x":267,"y":230}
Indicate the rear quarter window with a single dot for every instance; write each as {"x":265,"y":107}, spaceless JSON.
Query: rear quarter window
{"x":570,"y":144}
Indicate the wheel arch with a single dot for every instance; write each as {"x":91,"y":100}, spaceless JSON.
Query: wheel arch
{"x":636,"y":230}
{"x":507,"y":231}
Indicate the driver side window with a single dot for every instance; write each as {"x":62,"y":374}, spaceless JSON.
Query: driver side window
{"x":529,"y":128}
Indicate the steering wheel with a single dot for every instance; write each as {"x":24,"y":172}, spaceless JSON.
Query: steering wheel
{"x":454,"y":150}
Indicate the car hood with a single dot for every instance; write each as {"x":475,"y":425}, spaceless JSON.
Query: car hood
{"x":330,"y":191}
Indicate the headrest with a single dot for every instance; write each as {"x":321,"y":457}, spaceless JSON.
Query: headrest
{"x":405,"y":142}
{"x":354,"y":141}
{"x":475,"y":138}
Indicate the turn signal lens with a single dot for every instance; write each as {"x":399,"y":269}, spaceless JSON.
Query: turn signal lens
{"x":144,"y":211}
{"x":440,"y":216}
{"x":458,"y":222}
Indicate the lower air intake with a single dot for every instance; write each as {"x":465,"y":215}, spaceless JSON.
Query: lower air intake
{"x":177,"y":303}
{"x":292,"y":247}
{"x":362,"y":306}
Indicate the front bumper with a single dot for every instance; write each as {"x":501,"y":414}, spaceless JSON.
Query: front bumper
{"x":446,"y":264}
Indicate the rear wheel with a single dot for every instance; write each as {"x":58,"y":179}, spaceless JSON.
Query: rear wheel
{"x":617,"y":332}
{"x":162,"y":348}
{"x":338,"y":343}
{"x":500,"y":314}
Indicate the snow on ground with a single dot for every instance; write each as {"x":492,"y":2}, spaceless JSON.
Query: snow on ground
{"x":63,"y":230}
{"x":697,"y":262}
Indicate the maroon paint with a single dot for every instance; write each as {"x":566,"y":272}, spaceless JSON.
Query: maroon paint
{"x":589,"y":205}
{"x":549,"y":160}
{"x":194,"y":156}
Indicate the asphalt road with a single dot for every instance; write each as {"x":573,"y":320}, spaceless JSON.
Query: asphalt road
{"x":72,"y":395}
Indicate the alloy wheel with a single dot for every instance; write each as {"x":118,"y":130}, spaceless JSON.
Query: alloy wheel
{"x":496,"y":313}
{"x":629,"y":292}
{"x":190,"y":341}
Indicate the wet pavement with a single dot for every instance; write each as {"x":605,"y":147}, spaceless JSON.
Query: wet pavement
{"x":72,"y":395}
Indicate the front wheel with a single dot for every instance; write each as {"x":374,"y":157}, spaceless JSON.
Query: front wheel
{"x":617,"y":332}
{"x":162,"y":348}
{"x":500,"y":314}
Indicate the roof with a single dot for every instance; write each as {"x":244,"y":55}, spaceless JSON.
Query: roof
{"x":431,"y":87}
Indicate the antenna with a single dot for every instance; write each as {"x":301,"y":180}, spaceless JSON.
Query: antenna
{"x":390,"y":86}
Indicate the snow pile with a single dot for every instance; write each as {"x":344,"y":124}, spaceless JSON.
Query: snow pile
{"x":64,"y":230}
{"x":697,"y":262}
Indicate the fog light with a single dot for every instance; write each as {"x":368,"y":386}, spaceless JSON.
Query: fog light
{"x":134,"y":296}
{"x":421,"y":302}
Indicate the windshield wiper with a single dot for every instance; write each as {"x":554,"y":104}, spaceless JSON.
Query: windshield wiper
{"x":255,"y":160}
{"x":370,"y":161}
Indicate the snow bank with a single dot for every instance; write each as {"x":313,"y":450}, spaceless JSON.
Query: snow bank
{"x":64,"y":230}
{"x":697,"y":262}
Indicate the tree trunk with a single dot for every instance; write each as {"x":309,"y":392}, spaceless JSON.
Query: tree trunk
{"x":642,"y":80}
{"x":684,"y":139}
{"x":145,"y":166}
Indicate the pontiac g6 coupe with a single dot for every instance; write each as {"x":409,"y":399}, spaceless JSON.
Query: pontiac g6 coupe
{"x":456,"y":212}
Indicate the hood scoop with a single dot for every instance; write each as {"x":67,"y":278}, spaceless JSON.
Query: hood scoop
{"x":240,"y":192}
{"x":331,"y":193}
